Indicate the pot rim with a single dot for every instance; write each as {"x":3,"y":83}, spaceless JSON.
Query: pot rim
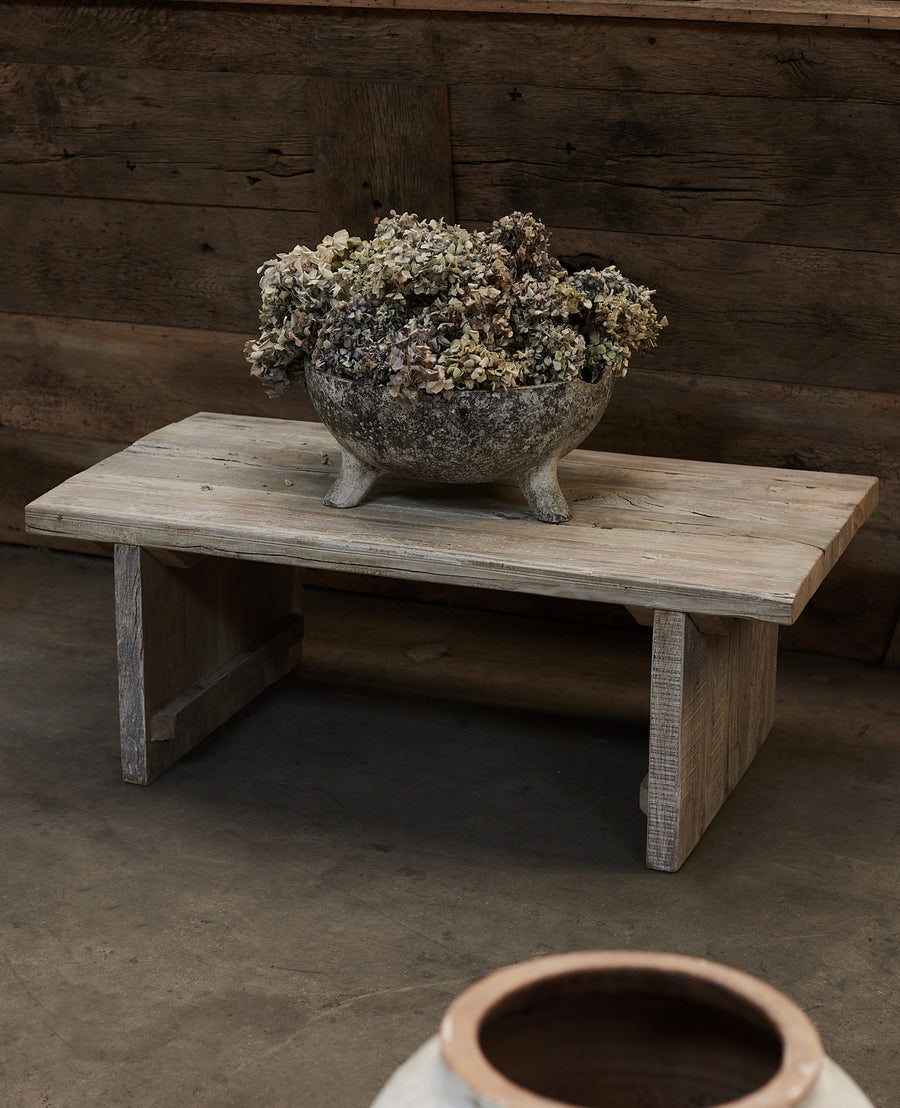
{"x":802,"y":1053}
{"x":446,"y":394}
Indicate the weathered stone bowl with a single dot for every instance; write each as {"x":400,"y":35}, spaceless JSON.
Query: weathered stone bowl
{"x":459,"y":437}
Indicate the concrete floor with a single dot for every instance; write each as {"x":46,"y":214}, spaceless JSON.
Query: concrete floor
{"x":283,"y":917}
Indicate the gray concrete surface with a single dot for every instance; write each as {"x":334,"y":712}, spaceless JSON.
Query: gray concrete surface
{"x":283,"y":917}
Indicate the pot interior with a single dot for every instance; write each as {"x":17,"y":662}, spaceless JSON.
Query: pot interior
{"x":631,"y":1039}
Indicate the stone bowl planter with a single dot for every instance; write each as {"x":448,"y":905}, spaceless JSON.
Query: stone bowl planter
{"x":460,"y":436}
{"x":616,"y":1029}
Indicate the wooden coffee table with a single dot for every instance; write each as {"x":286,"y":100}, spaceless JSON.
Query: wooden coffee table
{"x":215,"y":517}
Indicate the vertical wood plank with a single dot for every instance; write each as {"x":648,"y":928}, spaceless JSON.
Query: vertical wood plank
{"x":711,"y":707}
{"x":130,"y":657}
{"x":752,"y":666}
{"x":379,"y":145}
{"x":195,"y":618}
{"x":195,"y":644}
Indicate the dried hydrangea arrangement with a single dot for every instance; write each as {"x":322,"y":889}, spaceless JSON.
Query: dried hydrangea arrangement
{"x":430,"y":306}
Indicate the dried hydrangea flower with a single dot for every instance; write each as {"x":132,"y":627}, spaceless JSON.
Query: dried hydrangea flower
{"x":427,"y":306}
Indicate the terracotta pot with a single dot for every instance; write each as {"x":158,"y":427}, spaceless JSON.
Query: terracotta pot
{"x":616,"y":1029}
{"x":460,"y":436}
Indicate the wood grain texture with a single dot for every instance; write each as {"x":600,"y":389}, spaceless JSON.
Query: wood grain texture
{"x":163,"y":264}
{"x":709,"y":625}
{"x":793,"y":313}
{"x":77,"y":376}
{"x":130,"y":660}
{"x":194,"y":646}
{"x":156,"y":135}
{"x":711,"y":707}
{"x":760,"y":169}
{"x":853,"y":614}
{"x":770,"y":423}
{"x":769,"y":167}
{"x":380,"y":146}
{"x":765,"y":139}
{"x":366,"y":44}
{"x":721,"y":540}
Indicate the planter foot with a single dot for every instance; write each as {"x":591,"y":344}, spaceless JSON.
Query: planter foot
{"x":545,"y":499}
{"x":354,"y":482}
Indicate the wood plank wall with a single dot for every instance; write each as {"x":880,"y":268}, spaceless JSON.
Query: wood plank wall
{"x":154,"y":154}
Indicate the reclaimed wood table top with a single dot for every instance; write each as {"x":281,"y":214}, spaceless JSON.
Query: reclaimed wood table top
{"x":656,"y":533}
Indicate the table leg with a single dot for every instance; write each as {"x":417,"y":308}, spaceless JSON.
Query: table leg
{"x":712,"y":698}
{"x":196,"y":642}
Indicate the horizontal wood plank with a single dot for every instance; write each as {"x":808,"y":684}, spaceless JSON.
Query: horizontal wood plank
{"x":164,"y":264}
{"x":83,"y":377}
{"x":852,"y":615}
{"x":157,"y":135}
{"x":366,"y":44}
{"x":753,"y":169}
{"x":98,"y":67}
{"x":254,"y":487}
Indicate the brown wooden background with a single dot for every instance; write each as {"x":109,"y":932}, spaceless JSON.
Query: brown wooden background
{"x":154,"y":154}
